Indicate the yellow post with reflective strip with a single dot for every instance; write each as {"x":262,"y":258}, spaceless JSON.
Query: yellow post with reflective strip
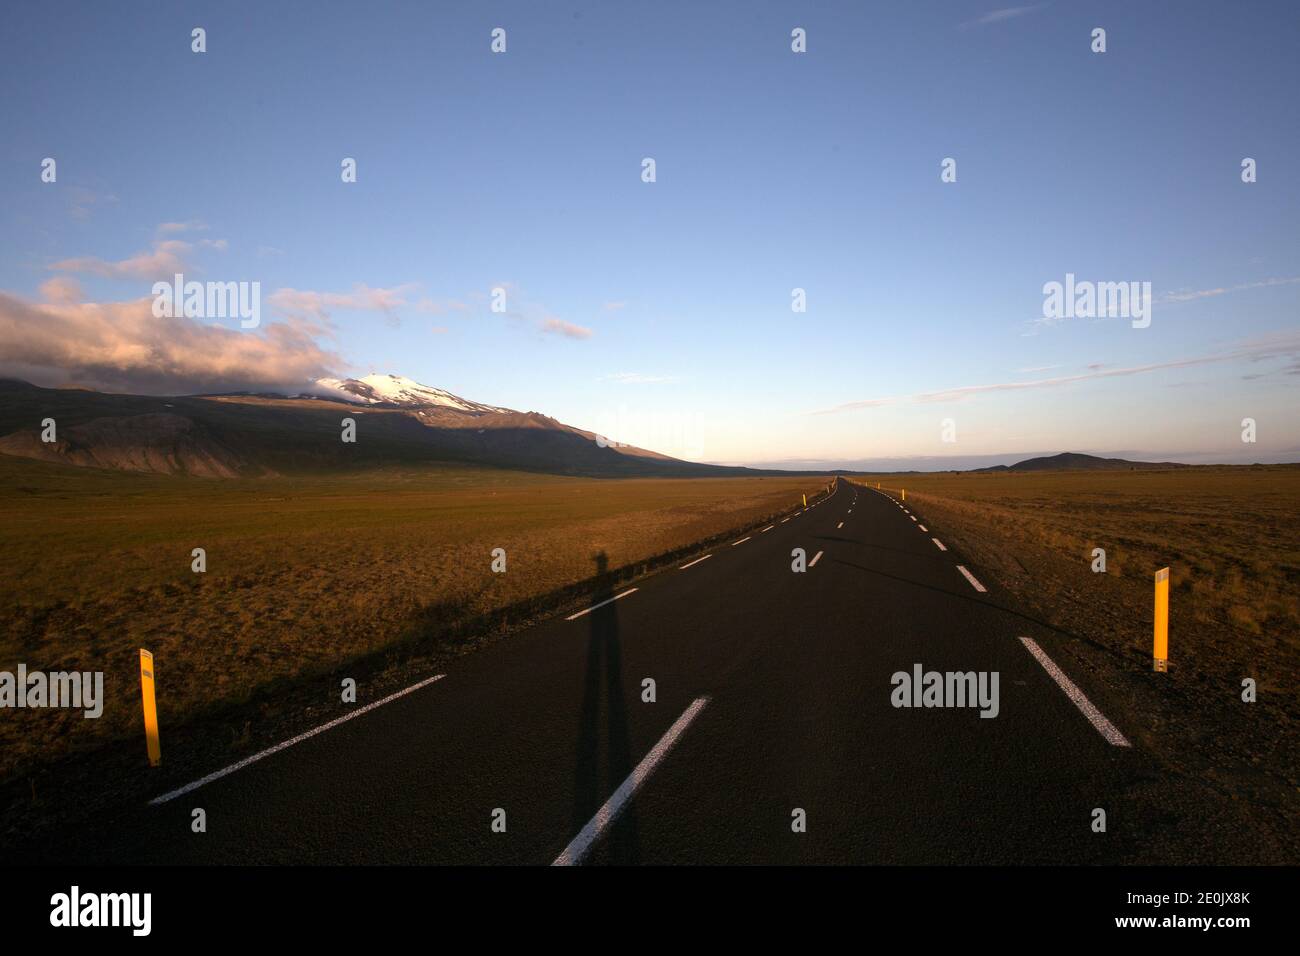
{"x":1160,"y":655}
{"x":150,"y":709}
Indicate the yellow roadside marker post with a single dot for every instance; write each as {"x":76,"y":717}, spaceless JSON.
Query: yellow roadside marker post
{"x":1161,"y":653}
{"x":805,"y":501}
{"x":904,"y":490}
{"x":150,"y":708}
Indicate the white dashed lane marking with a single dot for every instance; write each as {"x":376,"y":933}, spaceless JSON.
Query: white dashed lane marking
{"x":840,"y":525}
{"x":581,"y":844}
{"x":816,"y":557}
{"x":938,"y":544}
{"x":189,"y":787}
{"x":1077,"y":697}
{"x":574,"y":617}
{"x":971,"y":578}
{"x":692,"y":564}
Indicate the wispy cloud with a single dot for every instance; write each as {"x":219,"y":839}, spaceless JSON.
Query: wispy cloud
{"x":189,"y":225}
{"x":167,"y":257}
{"x":362,"y":298}
{"x":1003,"y":14}
{"x":82,"y":201}
{"x":554,"y":326}
{"x":1191,"y":295}
{"x":164,"y":260}
{"x":1282,"y":345}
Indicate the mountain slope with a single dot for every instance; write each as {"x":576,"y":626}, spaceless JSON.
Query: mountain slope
{"x":249,"y":435}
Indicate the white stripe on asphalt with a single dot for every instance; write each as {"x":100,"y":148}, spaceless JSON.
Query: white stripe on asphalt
{"x":190,"y":787}
{"x":784,"y":520}
{"x":816,"y":558}
{"x":913,"y":517}
{"x":692,"y":564}
{"x":971,"y":578}
{"x":1080,"y":700}
{"x":574,"y":617}
{"x":741,"y":541}
{"x":840,"y":525}
{"x":581,"y":844}
{"x":939,"y":544}
{"x":923,"y":528}
{"x":768,"y":528}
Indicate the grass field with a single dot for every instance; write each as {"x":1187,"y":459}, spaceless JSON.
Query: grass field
{"x":1228,"y":535}
{"x":302,"y":574}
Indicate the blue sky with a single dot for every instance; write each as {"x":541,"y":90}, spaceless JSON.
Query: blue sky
{"x":660,"y":312}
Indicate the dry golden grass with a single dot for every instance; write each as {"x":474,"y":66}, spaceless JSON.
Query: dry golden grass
{"x":1228,"y":534}
{"x":302,"y":575}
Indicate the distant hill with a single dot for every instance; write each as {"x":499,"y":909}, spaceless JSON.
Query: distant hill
{"x":1074,"y":461}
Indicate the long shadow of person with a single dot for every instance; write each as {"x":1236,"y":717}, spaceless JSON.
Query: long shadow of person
{"x":604,"y":667}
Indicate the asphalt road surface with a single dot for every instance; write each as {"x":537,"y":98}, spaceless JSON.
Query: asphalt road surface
{"x":772,"y":696}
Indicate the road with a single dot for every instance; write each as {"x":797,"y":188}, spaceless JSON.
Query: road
{"x":773,"y":696}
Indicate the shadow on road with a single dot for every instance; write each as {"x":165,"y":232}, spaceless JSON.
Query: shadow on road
{"x":986,"y":602}
{"x":604,"y":673}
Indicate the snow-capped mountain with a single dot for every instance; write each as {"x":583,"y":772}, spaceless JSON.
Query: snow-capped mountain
{"x":398,"y":390}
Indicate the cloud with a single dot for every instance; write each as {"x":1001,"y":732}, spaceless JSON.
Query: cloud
{"x":190,"y":225}
{"x":122,"y":346}
{"x":317,"y":305}
{"x":82,"y":201}
{"x":1284,"y":345}
{"x":1185,"y":295}
{"x":164,"y":261}
{"x":1003,"y":14}
{"x":555,"y":326}
{"x":61,"y":290}
{"x":432,"y":307}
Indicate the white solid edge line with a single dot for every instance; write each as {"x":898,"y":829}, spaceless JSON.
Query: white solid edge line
{"x":691,"y":564}
{"x":1077,"y":697}
{"x":580,"y":845}
{"x":588,"y":610}
{"x":938,"y":544}
{"x":971,"y":578}
{"x":741,"y":541}
{"x":816,"y":558}
{"x":217,"y":775}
